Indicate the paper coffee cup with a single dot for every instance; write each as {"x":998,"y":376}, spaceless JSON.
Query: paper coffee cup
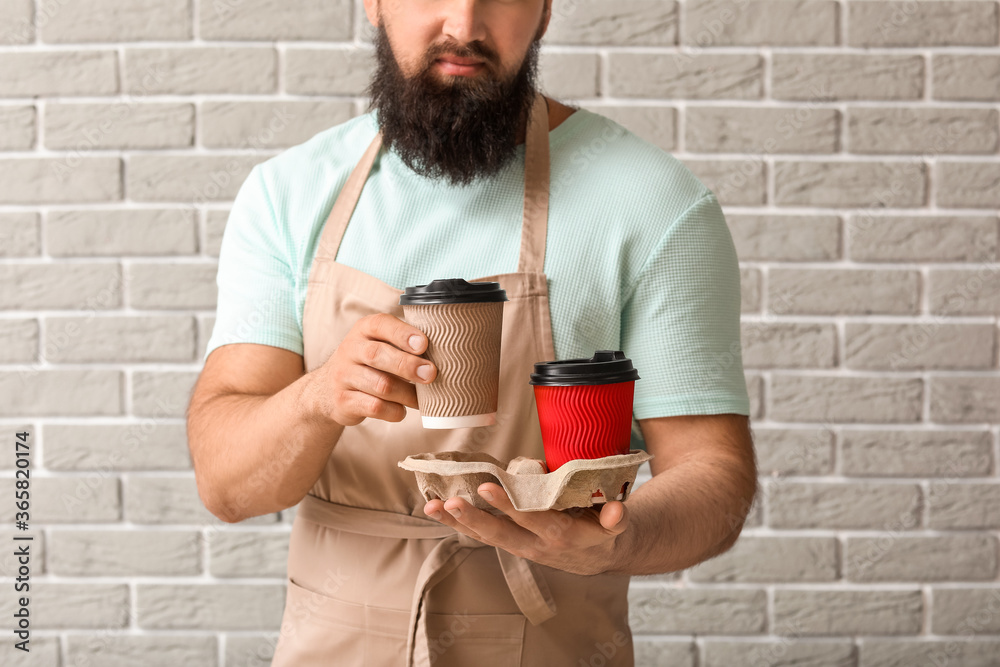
{"x":463,"y":323}
{"x":585,"y":406}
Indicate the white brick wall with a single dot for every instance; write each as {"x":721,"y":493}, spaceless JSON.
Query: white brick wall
{"x":853,"y":144}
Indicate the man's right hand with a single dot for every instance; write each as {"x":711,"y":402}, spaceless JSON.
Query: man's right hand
{"x":372,"y":372}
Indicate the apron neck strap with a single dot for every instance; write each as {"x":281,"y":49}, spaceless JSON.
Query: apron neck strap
{"x":534,"y":226}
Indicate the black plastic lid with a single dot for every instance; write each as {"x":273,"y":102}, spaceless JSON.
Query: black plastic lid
{"x":605,"y":367}
{"x":452,"y":290}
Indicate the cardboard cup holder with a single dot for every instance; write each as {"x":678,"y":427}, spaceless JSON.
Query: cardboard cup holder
{"x":577,"y":483}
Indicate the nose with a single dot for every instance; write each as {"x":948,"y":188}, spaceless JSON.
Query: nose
{"x":463,"y":21}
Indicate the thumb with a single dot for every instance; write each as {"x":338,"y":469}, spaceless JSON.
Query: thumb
{"x":614,"y":517}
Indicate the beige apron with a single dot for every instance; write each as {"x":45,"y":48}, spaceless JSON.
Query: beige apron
{"x":372,"y":580}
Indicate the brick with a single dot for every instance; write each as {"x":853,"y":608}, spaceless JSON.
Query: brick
{"x":849,"y":612}
{"x":710,"y":23}
{"x":625,"y":23}
{"x":120,"y":125}
{"x":251,"y":124}
{"x":783,"y":653}
{"x":923,"y":238}
{"x":655,"y":124}
{"x":58,"y":73}
{"x":149,"y":651}
{"x":569,"y":75}
{"x":918,"y":346}
{"x":965,"y":292}
{"x":78,"y":499}
{"x":56,"y":606}
{"x":686,"y":76}
{"x":734,"y":182}
{"x":916,"y":453}
{"x":846,"y":76}
{"x":785,"y":238}
{"x":248,"y":554}
{"x":967,"y":184}
{"x":788,"y":345}
{"x":663,"y":652}
{"x":750,"y":290}
{"x":215,"y":225}
{"x":915,"y":130}
{"x":219,"y":606}
{"x":846,"y":183}
{"x":172,"y":285}
{"x":923,"y":24}
{"x":741,"y":129}
{"x":845,"y":505}
{"x":143,"y":445}
{"x":17,"y":128}
{"x":844,"y":291}
{"x":68,"y":179}
{"x":20,"y":235}
{"x":110,"y":232}
{"x":801,"y":451}
{"x":275,"y":20}
{"x":759,"y":559}
{"x":188,"y":178}
{"x":18,"y":341}
{"x":9,"y":563}
{"x":250,"y":650}
{"x":124,"y":553}
{"x":957,"y":506}
{"x":966,"y":611}
{"x":965,"y":399}
{"x":162,"y":394}
{"x":872,"y":399}
{"x":119,"y":21}
{"x":58,"y":392}
{"x":895,"y":557}
{"x":755,"y":391}
{"x":959,"y":76}
{"x":120,"y":339}
{"x":192,"y":70}
{"x":44,"y":653}
{"x":60,"y":286}
{"x":19,"y":26}
{"x":337,"y":71}
{"x":969,"y":652}
{"x":205,"y":326}
{"x":662,"y":610}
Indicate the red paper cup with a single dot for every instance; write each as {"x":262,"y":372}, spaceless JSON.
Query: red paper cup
{"x":585,"y":406}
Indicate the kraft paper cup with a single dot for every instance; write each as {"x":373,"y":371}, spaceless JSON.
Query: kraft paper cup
{"x":585,"y":406}
{"x":463,"y":323}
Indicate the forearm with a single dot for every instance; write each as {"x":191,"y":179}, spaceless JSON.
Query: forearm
{"x":685,"y":515}
{"x":259,"y":454}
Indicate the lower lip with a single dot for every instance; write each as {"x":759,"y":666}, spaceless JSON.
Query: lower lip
{"x":459,"y":70}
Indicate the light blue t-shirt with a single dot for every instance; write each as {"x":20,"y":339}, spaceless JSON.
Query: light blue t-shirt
{"x":639,"y":257}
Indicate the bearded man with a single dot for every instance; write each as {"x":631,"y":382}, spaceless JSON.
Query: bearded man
{"x":602,"y":241}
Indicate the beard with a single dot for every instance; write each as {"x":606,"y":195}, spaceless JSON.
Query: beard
{"x":460,"y":128}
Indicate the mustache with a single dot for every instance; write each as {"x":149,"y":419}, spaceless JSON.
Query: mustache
{"x":476,"y":50}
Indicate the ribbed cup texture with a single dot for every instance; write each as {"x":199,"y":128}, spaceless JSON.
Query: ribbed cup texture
{"x":584,"y":421}
{"x":464,"y":344}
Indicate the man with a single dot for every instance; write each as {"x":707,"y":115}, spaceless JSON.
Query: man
{"x":308,"y":395}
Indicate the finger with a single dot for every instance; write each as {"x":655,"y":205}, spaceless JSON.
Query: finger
{"x":367,"y":405}
{"x":385,"y":357}
{"x":548,"y":524}
{"x":614,"y":517}
{"x":435,"y":509}
{"x":384,"y":385}
{"x":495,"y":530}
{"x":391,"y":329}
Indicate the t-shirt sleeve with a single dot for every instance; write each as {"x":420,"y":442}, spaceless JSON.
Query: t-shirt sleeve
{"x":681,"y":321}
{"x":256,"y":285}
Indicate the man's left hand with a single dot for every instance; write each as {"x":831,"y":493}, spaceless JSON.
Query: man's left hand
{"x":579,"y":540}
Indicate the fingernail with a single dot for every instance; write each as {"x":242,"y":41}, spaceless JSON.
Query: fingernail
{"x":424,"y":372}
{"x":415,"y":341}
{"x":455,"y":512}
{"x":486,"y":495}
{"x":435,"y":515}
